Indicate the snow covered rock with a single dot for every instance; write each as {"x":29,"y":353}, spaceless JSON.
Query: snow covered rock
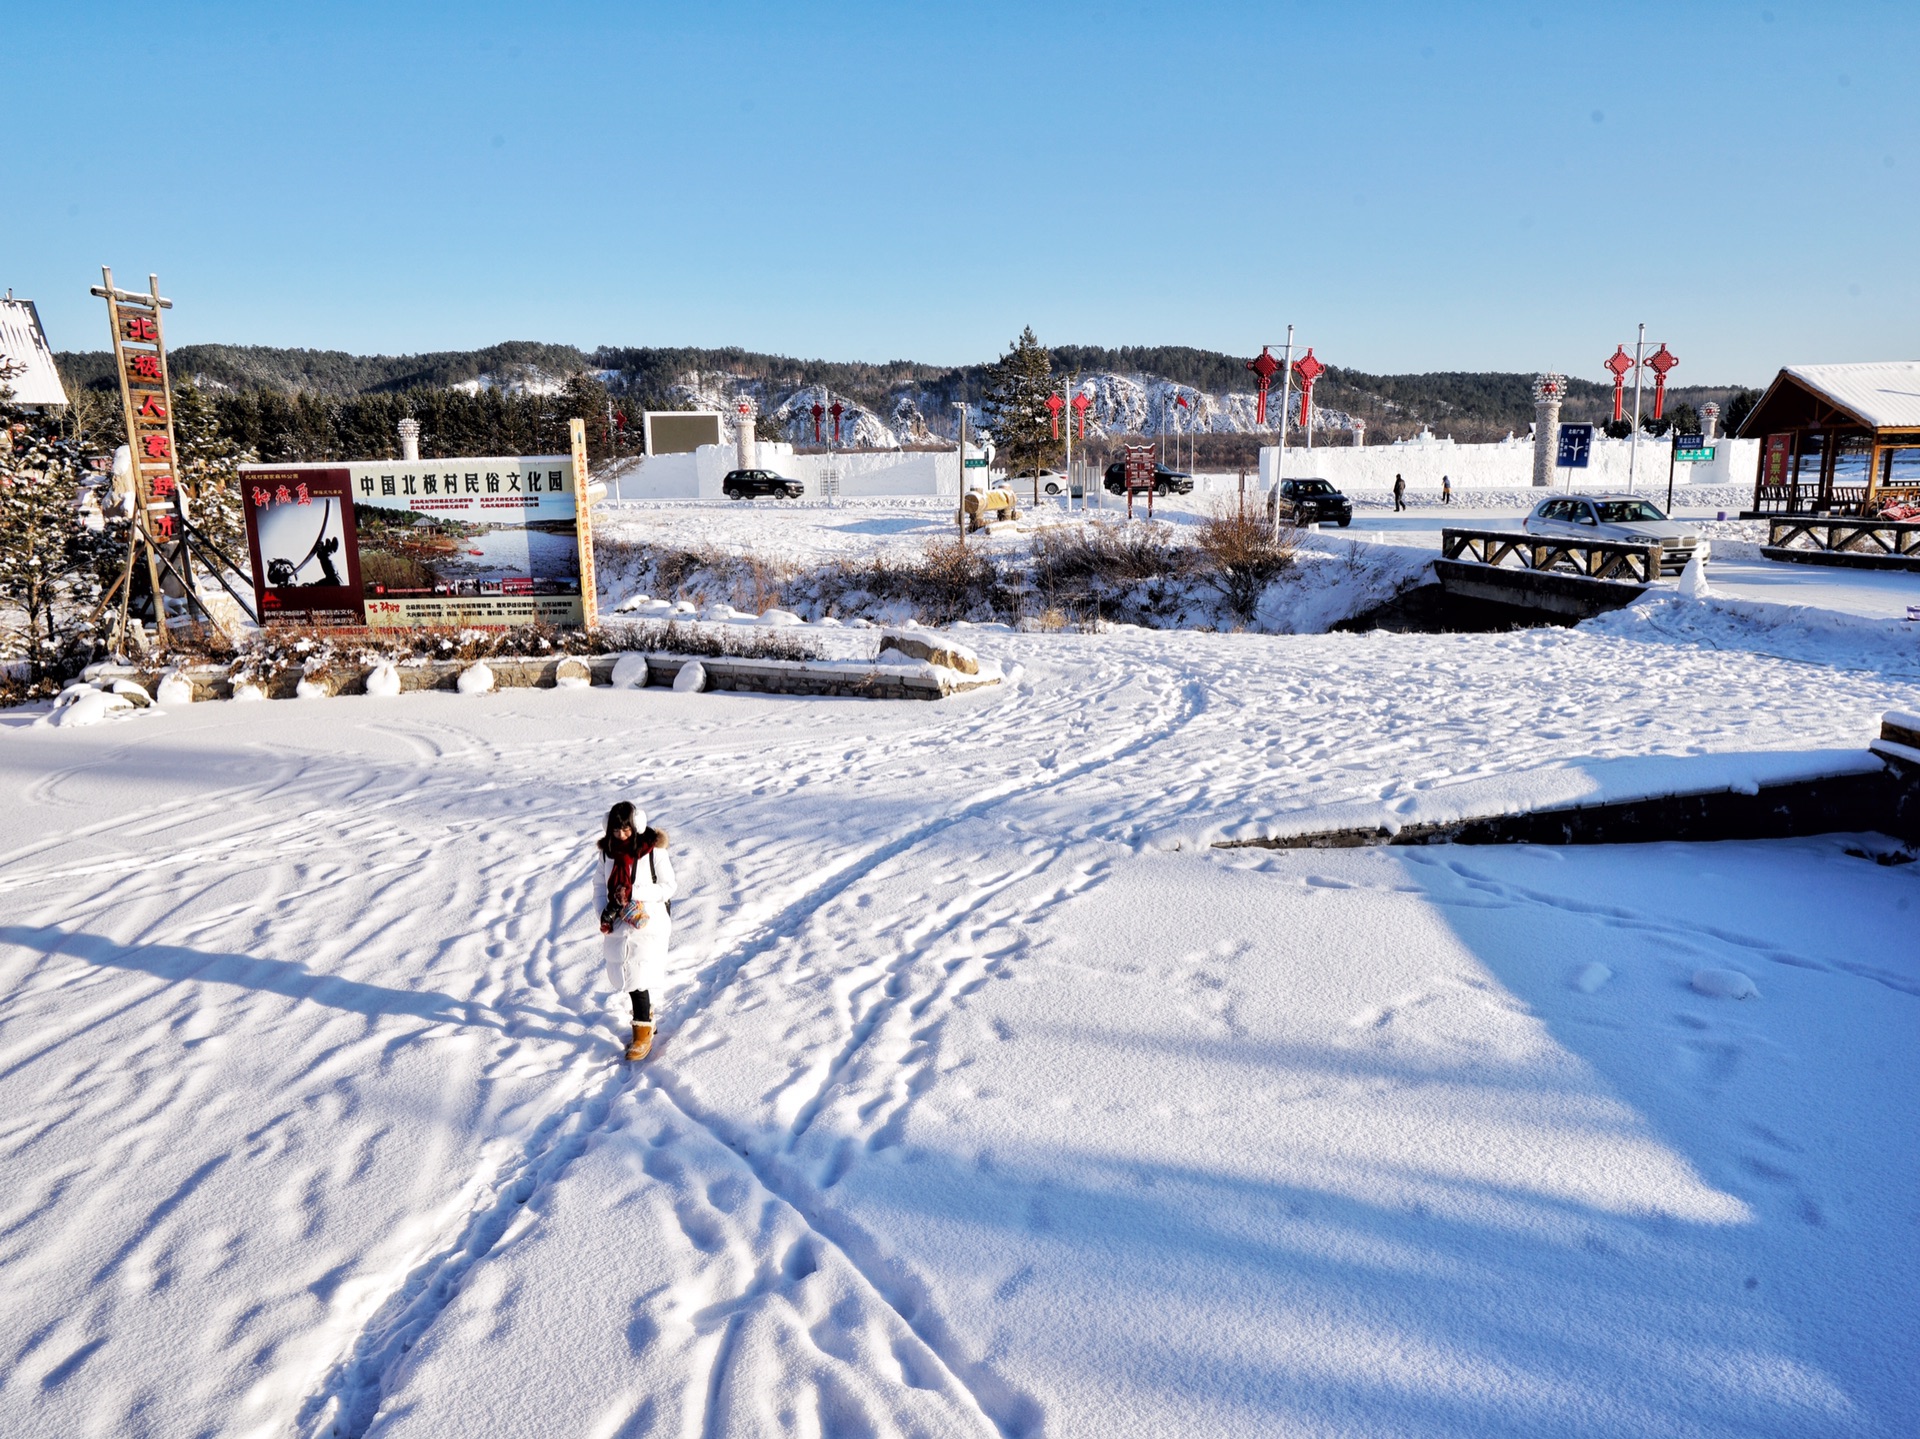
{"x":475,"y":680}
{"x":89,"y":708}
{"x":684,"y":607}
{"x":934,"y":649}
{"x":313,"y":687}
{"x":630,"y":672}
{"x":691,"y":679}
{"x":247,"y":692}
{"x":133,"y":693}
{"x":1724,"y":984}
{"x":572,"y":674}
{"x":383,"y":680}
{"x":174,"y":690}
{"x":632,"y":602}
{"x":780,"y":618}
{"x":1693,"y":581}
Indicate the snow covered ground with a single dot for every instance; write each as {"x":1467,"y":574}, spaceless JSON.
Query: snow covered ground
{"x":991,"y":1098}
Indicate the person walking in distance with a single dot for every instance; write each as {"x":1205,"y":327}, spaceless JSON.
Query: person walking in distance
{"x":1399,"y":492}
{"x":635,"y":891}
{"x":1446,"y":490}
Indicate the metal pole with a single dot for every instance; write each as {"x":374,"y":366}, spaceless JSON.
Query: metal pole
{"x":1066,"y":418}
{"x":1633,"y":456}
{"x":1672,"y":452}
{"x":960,"y":502}
{"x":1286,"y":399}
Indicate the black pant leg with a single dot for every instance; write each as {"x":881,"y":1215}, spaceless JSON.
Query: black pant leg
{"x":642,"y":1006}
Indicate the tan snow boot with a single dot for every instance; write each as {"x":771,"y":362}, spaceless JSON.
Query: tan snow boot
{"x":642,"y":1041}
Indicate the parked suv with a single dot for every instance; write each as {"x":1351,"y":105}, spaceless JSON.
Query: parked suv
{"x":744,"y":484}
{"x":1165,"y":481}
{"x":1308,"y":502}
{"x":1624,"y":518}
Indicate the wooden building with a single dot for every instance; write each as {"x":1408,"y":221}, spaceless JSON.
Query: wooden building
{"x":1837,"y":439}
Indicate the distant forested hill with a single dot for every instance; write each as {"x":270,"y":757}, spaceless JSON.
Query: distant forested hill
{"x":1467,"y":405}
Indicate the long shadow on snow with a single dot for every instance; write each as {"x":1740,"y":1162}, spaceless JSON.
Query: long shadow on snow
{"x":1756,"y":1128}
{"x":178,"y":964}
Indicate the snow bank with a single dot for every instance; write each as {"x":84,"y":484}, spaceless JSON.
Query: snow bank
{"x":691,"y":678}
{"x":1724,"y":984}
{"x":175,"y":691}
{"x":476,"y":679}
{"x":1795,"y":632}
{"x":383,"y":681}
{"x":630,"y":672}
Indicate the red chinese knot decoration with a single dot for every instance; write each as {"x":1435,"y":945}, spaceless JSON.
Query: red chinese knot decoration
{"x":836,"y":409}
{"x":1620,"y":363}
{"x":1264,"y":368}
{"x":1307,"y":369}
{"x":1054,"y":406}
{"x":1080,"y":404}
{"x":817,"y":411}
{"x":1660,"y":361}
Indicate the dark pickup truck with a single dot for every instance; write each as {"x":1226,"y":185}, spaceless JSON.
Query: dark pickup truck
{"x":1165,"y":481}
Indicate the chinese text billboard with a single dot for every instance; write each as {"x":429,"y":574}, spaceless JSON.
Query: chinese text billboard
{"x":415,"y":543}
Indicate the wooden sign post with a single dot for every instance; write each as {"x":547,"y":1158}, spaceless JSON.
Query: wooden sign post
{"x":140,"y":355}
{"x":583,"y":524}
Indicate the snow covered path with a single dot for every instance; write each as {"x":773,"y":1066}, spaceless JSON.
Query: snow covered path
{"x":991,"y":1100}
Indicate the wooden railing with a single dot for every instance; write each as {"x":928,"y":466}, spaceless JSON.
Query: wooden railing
{"x":1590,"y":559}
{"x":1844,"y":536}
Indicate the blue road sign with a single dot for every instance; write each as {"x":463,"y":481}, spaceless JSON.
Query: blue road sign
{"x":1576,"y":445}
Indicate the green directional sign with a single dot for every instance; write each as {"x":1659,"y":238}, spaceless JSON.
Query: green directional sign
{"x":1701,"y":455}
{"x":981,"y":464}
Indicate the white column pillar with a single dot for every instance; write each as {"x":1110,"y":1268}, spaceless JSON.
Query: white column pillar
{"x":409,"y":439}
{"x":1548,"y":391}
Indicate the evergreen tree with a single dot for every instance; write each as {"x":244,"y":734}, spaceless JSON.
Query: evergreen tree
{"x":1015,"y":406}
{"x":1738,"y":407}
{"x":1684,"y":419}
{"x":208,"y":469}
{"x":51,"y":546}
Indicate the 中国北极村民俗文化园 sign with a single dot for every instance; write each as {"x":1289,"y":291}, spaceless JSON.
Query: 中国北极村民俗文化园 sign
{"x":405,"y":544}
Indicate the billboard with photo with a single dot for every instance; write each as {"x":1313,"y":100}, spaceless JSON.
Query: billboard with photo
{"x":396,"y":544}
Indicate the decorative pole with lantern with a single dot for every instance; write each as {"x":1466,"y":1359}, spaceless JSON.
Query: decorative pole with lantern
{"x":836,"y":409}
{"x":818,"y":412}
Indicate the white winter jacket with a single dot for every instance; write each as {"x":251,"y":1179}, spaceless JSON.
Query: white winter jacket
{"x":636,"y":957}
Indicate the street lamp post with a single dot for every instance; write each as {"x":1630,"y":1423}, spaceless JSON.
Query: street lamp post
{"x":1633,"y":455}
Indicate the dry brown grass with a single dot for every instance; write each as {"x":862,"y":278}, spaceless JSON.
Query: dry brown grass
{"x":1242,"y":555}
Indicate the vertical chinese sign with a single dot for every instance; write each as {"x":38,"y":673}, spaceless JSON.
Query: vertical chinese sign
{"x":147,"y":400}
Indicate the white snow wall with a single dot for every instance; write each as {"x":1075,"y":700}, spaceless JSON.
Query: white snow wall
{"x":863,"y":473}
{"x":1504,"y":465}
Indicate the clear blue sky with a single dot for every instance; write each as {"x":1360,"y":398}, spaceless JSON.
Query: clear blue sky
{"x":1416,"y":186}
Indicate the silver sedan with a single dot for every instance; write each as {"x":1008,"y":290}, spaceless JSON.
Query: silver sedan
{"x":1627,"y":519}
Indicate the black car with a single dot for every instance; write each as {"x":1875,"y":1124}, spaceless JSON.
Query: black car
{"x":745,"y":484}
{"x":1165,"y":481}
{"x":1308,"y":502}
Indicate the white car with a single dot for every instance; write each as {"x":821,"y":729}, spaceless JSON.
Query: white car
{"x":1627,"y":519}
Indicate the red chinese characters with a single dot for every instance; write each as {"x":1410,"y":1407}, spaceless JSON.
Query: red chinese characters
{"x":283,"y":496}
{"x":151,"y":408}
{"x":145,"y":367}
{"x":156,"y":447}
{"x":261,"y":499}
{"x":142,"y":328}
{"x":301,"y":496}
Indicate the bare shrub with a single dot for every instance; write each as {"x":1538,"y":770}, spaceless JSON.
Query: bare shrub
{"x":1242,"y":556}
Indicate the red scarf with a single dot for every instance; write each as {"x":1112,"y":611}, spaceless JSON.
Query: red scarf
{"x":620,"y":878}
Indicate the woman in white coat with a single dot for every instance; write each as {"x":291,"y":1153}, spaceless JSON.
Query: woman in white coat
{"x":636,"y":921}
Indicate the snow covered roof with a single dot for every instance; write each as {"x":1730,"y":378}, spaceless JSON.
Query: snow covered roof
{"x":24,"y":344}
{"x":1885,"y":394}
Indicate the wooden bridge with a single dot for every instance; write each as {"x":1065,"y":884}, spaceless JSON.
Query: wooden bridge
{"x":1565,"y":579}
{"x":1837,"y":540}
